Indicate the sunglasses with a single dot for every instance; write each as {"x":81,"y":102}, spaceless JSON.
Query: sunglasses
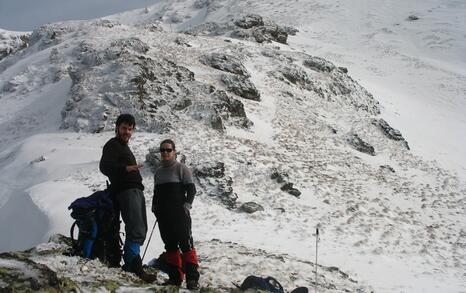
{"x":162,"y":150}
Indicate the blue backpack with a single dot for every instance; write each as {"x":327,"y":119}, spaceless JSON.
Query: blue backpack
{"x":98,"y":225}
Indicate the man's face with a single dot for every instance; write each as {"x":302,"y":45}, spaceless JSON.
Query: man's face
{"x":167,"y":152}
{"x":124,"y":132}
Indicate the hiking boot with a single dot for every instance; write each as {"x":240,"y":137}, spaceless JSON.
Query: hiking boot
{"x":192,"y":285}
{"x":171,"y":283}
{"x":148,"y":278}
{"x":136,"y":267}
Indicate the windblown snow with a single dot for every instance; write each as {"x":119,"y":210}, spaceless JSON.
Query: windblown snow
{"x":285,"y":130}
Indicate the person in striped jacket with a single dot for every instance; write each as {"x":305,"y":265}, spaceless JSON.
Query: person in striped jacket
{"x":174,"y":192}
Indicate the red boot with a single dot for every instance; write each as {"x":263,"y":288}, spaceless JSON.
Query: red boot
{"x":190,"y":266}
{"x":175,"y":273}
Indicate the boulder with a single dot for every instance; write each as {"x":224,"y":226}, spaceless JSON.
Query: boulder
{"x":241,"y":86}
{"x":251,"y":207}
{"x":278,"y":176}
{"x":288,"y":187}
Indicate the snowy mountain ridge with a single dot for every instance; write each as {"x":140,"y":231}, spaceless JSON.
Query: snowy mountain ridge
{"x":243,"y":114}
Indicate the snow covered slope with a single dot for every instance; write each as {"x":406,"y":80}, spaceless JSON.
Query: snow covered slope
{"x":409,"y":54}
{"x":257,"y":122}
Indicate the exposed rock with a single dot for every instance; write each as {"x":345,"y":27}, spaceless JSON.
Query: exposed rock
{"x":251,"y":27}
{"x":153,"y":159}
{"x":390,"y":132}
{"x":49,"y":35}
{"x":319,"y":64}
{"x":211,"y":177}
{"x":183,"y":104}
{"x":225,"y":62}
{"x":270,"y":33}
{"x":249,"y":21}
{"x":154,"y":90}
{"x":216,"y":122}
{"x":343,"y":69}
{"x":18,"y":273}
{"x":279,"y":176}
{"x":297,"y":76}
{"x":182,"y":42}
{"x":241,"y":86}
{"x":288,"y":187}
{"x":251,"y":207}
{"x":230,"y":111}
{"x":11,"y":43}
{"x":387,"y":168}
{"x":216,"y":170}
{"x":357,"y":143}
{"x":412,"y":18}
{"x":328,"y":83}
{"x":292,"y":31}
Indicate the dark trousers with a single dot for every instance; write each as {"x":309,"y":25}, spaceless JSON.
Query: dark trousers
{"x":175,"y":230}
{"x":132,"y":206}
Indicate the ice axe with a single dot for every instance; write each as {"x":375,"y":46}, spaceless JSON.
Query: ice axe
{"x":148,"y":241}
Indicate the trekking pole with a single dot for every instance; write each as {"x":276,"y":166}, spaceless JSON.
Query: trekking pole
{"x":317,"y":251}
{"x":148,"y":241}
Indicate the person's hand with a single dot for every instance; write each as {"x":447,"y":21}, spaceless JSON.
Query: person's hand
{"x":133,"y":168}
{"x":187,"y":206}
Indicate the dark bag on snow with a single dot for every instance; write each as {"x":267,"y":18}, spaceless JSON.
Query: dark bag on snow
{"x":98,"y":225}
{"x":266,"y":284}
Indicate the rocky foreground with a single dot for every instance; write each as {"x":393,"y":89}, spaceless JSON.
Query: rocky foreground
{"x":47,"y":268}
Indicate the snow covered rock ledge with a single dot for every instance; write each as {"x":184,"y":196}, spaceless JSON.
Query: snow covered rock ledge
{"x":45,"y":268}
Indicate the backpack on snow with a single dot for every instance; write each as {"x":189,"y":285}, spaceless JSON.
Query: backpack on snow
{"x":268,"y":284}
{"x":98,"y":225}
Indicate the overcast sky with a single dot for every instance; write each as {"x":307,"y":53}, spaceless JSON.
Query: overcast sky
{"x":25,"y":15}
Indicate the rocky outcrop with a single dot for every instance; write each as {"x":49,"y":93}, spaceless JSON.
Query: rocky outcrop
{"x":288,"y":187}
{"x":360,"y":145}
{"x":390,"y":132}
{"x":225,"y":62}
{"x":241,"y":86}
{"x":156,"y":92}
{"x":249,"y":21}
{"x":282,"y":178}
{"x":319,"y":64}
{"x":211,"y":177}
{"x":12,"y":42}
{"x":250,"y":27}
{"x":328,"y":82}
{"x":297,"y":76}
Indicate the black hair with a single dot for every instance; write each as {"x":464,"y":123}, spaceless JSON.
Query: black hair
{"x":168,"y":141}
{"x":125,"y":118}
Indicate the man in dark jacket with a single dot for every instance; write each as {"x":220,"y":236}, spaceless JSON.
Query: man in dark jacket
{"x":174,"y":192}
{"x":119,"y":165}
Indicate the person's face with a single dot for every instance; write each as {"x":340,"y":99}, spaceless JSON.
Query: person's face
{"x":167,"y":152}
{"x":124,"y":132}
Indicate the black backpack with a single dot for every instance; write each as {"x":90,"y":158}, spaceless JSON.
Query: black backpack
{"x":98,"y":224}
{"x":268,"y":284}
